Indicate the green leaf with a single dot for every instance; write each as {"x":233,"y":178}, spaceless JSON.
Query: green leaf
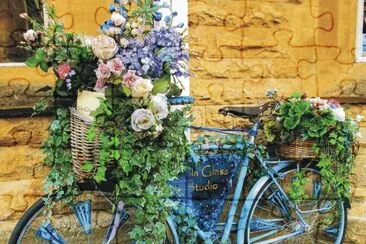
{"x":100,"y":175}
{"x":161,"y":85}
{"x":88,"y":166}
{"x":126,"y":90}
{"x":44,"y":67}
{"x":40,"y":54}
{"x":32,"y":62}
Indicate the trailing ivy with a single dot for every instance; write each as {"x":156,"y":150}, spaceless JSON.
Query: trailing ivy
{"x":143,"y":165}
{"x":57,"y":150}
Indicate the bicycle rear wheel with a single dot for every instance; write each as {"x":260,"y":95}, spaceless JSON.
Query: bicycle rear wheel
{"x":71,"y":224}
{"x":271,"y":220}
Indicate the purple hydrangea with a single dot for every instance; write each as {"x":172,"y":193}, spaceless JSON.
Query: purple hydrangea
{"x":168,"y":46}
{"x":136,"y":56}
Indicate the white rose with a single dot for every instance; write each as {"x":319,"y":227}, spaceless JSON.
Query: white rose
{"x":159,"y":106}
{"x":30,"y":36}
{"x":104,"y":47}
{"x":118,"y":19}
{"x":339,"y":114}
{"x":141,"y":88}
{"x":142,"y":119}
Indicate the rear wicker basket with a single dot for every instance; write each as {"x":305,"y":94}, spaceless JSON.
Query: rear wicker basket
{"x":82,"y":149}
{"x":297,"y":149}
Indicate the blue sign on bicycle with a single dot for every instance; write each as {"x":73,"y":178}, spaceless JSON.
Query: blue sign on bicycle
{"x":206,"y":186}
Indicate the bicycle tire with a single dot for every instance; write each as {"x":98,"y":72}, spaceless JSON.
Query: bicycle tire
{"x":292,"y":167}
{"x":32,"y":213}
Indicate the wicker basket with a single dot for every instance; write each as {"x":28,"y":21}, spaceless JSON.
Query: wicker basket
{"x":82,"y":150}
{"x":297,"y":149}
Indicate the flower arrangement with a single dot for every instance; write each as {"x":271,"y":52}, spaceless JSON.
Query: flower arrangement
{"x":326,"y":124}
{"x":137,"y":63}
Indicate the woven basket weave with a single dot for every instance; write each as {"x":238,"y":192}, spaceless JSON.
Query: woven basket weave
{"x":82,"y":150}
{"x":297,"y":149}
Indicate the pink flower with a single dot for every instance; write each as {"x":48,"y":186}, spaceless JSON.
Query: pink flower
{"x":116,"y":66}
{"x":130,"y":79}
{"x":99,"y":84}
{"x":103,"y":72}
{"x":63,"y":71}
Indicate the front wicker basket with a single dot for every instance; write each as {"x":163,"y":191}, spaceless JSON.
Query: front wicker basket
{"x":81,"y":148}
{"x":297,"y":149}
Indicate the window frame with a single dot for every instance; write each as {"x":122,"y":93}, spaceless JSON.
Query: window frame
{"x":359,"y":32}
{"x":181,"y":7}
{"x":22,"y":64}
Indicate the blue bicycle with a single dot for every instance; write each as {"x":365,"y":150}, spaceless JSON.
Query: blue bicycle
{"x":215,"y":190}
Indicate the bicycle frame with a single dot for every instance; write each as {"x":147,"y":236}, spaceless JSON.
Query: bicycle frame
{"x":271,"y":173}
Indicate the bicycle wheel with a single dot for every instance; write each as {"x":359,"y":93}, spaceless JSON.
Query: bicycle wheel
{"x":271,"y":220}
{"x":74,"y":223}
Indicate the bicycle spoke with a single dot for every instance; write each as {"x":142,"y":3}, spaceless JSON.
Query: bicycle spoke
{"x":274,"y":221}
{"x":259,"y":224}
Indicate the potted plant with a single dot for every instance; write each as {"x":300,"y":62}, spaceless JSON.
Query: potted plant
{"x":311,"y":127}
{"x":129,"y":72}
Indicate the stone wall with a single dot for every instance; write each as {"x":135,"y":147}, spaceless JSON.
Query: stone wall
{"x":239,"y":49}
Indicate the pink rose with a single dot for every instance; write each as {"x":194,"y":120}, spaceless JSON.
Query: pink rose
{"x":63,"y":71}
{"x":103,"y":72}
{"x":116,"y":66}
{"x":99,"y":84}
{"x":130,"y":79}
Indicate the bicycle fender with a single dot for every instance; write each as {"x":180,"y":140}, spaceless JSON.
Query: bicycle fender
{"x":250,"y":199}
{"x":170,"y":222}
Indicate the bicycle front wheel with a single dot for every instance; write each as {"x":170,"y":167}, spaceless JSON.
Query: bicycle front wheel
{"x":271,"y":220}
{"x":86,"y":220}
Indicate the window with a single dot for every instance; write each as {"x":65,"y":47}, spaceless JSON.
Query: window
{"x":361,"y":32}
{"x":12,"y":27}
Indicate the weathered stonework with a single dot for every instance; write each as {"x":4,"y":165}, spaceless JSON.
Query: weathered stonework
{"x":239,"y":49}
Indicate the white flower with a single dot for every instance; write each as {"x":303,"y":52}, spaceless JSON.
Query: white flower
{"x":159,"y":106}
{"x":118,"y":19}
{"x":104,"y":47}
{"x":123,"y":42}
{"x":359,"y":118}
{"x":141,"y":88}
{"x":159,"y":128}
{"x":87,"y":40}
{"x":142,"y":119}
{"x":135,"y":32}
{"x":134,"y":25}
{"x":30,"y":35}
{"x":358,"y":135}
{"x":112,"y":31}
{"x":339,"y":114}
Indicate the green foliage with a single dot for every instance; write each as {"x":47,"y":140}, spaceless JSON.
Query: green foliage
{"x":297,"y":191}
{"x":185,"y":219}
{"x":57,"y":47}
{"x":57,"y":150}
{"x":335,"y":141}
{"x":144,"y":162}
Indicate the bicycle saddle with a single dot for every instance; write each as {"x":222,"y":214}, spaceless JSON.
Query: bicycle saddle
{"x":245,"y":111}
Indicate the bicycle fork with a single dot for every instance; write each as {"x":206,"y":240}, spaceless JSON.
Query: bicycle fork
{"x":119,"y":218}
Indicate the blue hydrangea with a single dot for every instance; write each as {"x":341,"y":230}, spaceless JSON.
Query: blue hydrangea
{"x":136,"y":56}
{"x":169,"y":47}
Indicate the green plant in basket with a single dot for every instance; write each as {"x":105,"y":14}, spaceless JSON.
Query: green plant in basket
{"x":136,"y":63}
{"x":333,"y":135}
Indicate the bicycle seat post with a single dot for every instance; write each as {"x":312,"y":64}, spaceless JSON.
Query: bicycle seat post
{"x":254,"y":130}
